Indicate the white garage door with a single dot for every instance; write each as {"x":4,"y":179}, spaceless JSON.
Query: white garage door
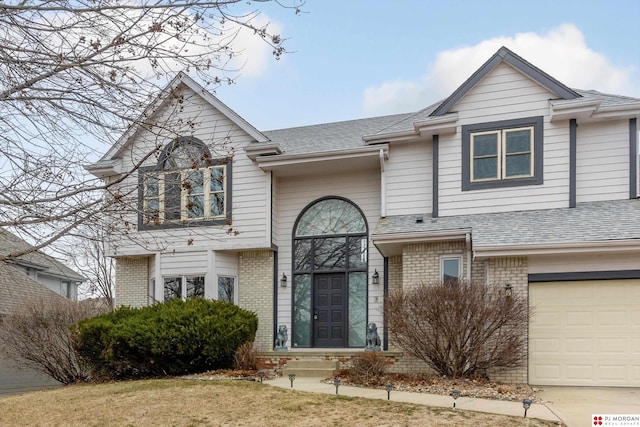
{"x":585,"y":333}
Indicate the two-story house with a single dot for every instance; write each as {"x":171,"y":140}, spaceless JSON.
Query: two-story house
{"x":514,"y":179}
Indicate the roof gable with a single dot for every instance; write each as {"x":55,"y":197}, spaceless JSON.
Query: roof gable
{"x":182,"y":80}
{"x":507,"y":56}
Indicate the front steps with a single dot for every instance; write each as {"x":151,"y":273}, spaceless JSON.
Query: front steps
{"x":311,"y":368}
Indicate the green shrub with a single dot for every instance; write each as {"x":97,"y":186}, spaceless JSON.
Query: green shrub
{"x":171,"y":338}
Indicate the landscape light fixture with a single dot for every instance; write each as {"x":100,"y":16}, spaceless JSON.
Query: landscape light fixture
{"x":526,"y":404}
{"x":336,"y":383}
{"x":283,"y":281}
{"x":508,"y":290}
{"x":455,"y":394}
{"x":375,"y":279}
{"x":389,"y":388}
{"x":261,"y":375}
{"x":292,"y":377}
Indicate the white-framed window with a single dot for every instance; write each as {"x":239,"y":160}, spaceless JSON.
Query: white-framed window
{"x":502,"y":154}
{"x":227,"y":288}
{"x":178,"y":196}
{"x":450,"y":268}
{"x":183,"y":287}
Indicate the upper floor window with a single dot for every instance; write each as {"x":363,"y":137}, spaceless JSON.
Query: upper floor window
{"x":502,"y":154}
{"x":185,"y":186}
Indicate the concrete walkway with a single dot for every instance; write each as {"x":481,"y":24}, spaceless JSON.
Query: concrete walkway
{"x":316,"y":385}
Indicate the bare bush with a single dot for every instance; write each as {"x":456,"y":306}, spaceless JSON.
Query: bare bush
{"x":369,"y":368}
{"x":246,"y":357}
{"x":38,"y":335}
{"x":460,"y":330}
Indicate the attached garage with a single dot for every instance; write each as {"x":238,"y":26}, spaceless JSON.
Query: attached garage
{"x":585,"y":333}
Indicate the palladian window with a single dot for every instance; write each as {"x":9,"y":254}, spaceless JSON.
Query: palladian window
{"x":186,"y":186}
{"x":330,"y":275}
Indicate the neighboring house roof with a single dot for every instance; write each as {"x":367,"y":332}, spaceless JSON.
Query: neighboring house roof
{"x":10,"y":243}
{"x":17,"y":288}
{"x":590,"y":223}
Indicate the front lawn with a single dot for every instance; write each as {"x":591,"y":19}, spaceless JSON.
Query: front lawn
{"x":179,"y":402}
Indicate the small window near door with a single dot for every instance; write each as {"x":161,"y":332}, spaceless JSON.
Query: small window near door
{"x":450,"y":269}
{"x":226,"y":288}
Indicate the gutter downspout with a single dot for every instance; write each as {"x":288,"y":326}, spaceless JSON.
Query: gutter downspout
{"x":383,"y":187}
{"x":467,"y":238}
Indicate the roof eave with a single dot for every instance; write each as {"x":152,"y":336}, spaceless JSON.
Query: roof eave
{"x":391,"y":244}
{"x":272,"y":162}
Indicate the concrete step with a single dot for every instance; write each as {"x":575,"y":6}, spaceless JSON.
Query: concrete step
{"x":311,"y":368}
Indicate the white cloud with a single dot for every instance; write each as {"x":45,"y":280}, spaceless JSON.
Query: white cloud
{"x":562,"y":52}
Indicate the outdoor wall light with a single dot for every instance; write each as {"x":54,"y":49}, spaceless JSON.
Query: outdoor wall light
{"x":389,"y":388}
{"x":283,"y":281}
{"x":455,"y":394}
{"x":292,"y":377}
{"x":508,"y":290}
{"x":336,"y":383}
{"x":375,"y":279}
{"x":526,"y":404}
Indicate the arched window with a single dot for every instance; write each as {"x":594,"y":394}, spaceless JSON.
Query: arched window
{"x":186,"y":186}
{"x":330,"y":275}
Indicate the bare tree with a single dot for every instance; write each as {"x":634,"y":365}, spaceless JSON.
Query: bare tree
{"x":459,"y":329}
{"x":37,"y":335}
{"x":74,"y":75}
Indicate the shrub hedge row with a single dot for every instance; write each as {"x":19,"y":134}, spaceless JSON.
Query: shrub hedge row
{"x":171,"y":338}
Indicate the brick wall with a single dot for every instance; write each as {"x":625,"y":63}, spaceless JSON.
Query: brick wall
{"x":255,"y":293}
{"x":132,"y":281}
{"x":514,"y":271}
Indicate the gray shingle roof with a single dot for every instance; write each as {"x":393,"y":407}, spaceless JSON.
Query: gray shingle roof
{"x":329,"y":136}
{"x":10,"y":243}
{"x":587,"y":222}
{"x":16,"y":288}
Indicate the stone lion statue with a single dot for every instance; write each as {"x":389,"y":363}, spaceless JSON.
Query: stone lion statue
{"x":373,"y":339}
{"x":281,"y":338}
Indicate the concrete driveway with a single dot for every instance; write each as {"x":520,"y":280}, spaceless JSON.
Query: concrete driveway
{"x":575,"y":405}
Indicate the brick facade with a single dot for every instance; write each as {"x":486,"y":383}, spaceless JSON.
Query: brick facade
{"x":132,"y":281}
{"x":255,"y":293}
{"x":420,"y":263}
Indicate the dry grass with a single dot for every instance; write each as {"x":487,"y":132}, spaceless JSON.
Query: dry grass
{"x":179,"y":402}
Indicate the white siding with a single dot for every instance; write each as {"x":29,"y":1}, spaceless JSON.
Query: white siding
{"x":183,"y":263}
{"x":409,"y":173}
{"x":250,"y":210}
{"x":602,"y":161}
{"x":582,"y":263}
{"x":505,"y":94}
{"x":295,"y":193}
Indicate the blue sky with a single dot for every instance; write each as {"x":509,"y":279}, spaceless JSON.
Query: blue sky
{"x":357,"y":58}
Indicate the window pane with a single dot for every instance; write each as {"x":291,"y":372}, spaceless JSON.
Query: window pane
{"x":485,"y":145}
{"x":217,"y":204}
{"x":195,"y":206}
{"x":519,"y":164}
{"x":358,"y":252}
{"x":172,"y":196}
{"x":195,"y":287}
{"x":485,"y":168}
{"x":217,"y":179}
{"x":302,"y":310}
{"x":331,"y":216}
{"x":226,"y":288}
{"x":329,"y":253}
{"x":450,"y":270}
{"x":303,"y":255}
{"x":195,"y":182}
{"x":172,"y":288}
{"x":185,"y":156}
{"x":152,"y":187}
{"x":357,"y":308}
{"x":518,"y":141}
{"x":152,"y":210}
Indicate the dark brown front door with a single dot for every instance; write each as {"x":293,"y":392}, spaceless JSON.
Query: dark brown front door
{"x":330,"y":307}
